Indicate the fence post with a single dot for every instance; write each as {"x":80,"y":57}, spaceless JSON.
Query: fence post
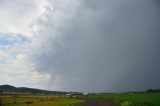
{"x":14,"y":99}
{"x":0,"y":101}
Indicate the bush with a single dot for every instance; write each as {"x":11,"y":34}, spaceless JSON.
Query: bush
{"x":29,"y":102}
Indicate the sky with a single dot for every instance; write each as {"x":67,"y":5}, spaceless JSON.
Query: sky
{"x":80,"y":45}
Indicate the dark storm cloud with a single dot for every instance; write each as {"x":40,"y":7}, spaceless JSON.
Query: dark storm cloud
{"x":98,"y":46}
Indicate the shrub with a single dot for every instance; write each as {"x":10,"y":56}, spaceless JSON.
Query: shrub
{"x":29,"y":102}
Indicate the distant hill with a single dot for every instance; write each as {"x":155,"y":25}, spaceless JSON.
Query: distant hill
{"x":8,"y":89}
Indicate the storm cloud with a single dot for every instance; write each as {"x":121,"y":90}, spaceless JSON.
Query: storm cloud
{"x":98,"y":46}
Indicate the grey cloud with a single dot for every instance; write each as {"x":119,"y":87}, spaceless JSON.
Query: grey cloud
{"x":99,"y":46}
{"x":17,"y":15}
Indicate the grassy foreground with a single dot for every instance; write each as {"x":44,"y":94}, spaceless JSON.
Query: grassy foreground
{"x":128,"y":99}
{"x":132,"y":99}
{"x":38,"y":101}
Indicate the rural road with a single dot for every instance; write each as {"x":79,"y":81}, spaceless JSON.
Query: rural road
{"x":99,"y":103}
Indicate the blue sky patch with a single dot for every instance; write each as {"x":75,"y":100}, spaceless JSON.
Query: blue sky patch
{"x":2,"y":61}
{"x":9,"y":39}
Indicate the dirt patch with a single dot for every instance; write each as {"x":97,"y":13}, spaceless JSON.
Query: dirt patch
{"x":99,"y":103}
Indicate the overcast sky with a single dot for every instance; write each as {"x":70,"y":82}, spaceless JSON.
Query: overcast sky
{"x":80,"y":45}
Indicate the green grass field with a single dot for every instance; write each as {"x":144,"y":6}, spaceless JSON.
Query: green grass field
{"x":132,"y":99}
{"x":39,"y":101}
{"x":128,"y":99}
